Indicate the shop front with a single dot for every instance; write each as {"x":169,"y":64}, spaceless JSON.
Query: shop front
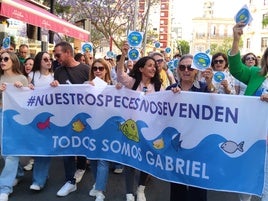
{"x":36,"y":16}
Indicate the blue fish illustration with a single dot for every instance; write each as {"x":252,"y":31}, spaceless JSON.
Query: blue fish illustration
{"x":176,"y":142}
{"x":231,"y":147}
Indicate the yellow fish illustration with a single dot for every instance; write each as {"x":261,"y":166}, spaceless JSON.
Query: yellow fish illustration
{"x":78,"y":126}
{"x":159,"y":143}
{"x":130,"y":130}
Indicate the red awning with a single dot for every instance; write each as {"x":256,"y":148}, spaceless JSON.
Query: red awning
{"x":34,"y":15}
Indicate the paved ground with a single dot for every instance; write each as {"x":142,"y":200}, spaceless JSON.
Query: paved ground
{"x":156,"y":191}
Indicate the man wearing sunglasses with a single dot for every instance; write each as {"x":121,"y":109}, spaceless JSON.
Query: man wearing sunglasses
{"x":70,"y":72}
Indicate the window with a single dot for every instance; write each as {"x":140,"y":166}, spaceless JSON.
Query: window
{"x":221,"y":30}
{"x":264,"y":42}
{"x":230,"y":30}
{"x":248,"y":43}
{"x":213,"y":30}
{"x":264,"y":20}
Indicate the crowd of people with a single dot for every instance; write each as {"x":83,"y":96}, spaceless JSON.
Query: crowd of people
{"x":242,"y":76}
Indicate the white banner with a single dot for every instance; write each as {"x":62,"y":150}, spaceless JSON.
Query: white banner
{"x":212,"y":141}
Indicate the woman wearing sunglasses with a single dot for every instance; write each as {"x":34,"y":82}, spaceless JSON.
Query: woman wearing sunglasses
{"x":222,"y":80}
{"x":41,"y":76}
{"x":188,"y":81}
{"x":100,"y":168}
{"x":249,"y":60}
{"x":9,"y":73}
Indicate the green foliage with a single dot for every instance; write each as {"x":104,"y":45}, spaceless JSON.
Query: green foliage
{"x":224,"y":46}
{"x":265,"y":21}
{"x":60,"y":9}
{"x":183,"y":47}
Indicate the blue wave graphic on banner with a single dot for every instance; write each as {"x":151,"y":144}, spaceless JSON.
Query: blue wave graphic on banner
{"x":122,"y":140}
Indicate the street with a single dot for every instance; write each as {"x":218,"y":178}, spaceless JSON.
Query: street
{"x":157,"y":190}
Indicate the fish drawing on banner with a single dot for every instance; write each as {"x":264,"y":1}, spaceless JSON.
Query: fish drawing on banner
{"x":43,"y":125}
{"x":231,"y":147}
{"x":176,"y":142}
{"x":130,"y":130}
{"x":159,"y":143}
{"x":78,"y":126}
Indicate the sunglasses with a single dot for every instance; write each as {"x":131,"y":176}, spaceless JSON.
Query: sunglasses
{"x":220,"y":61}
{"x":183,"y":67}
{"x":159,"y":61}
{"x":95,"y":68}
{"x":250,"y":58}
{"x":5,"y":59}
{"x":47,"y":60}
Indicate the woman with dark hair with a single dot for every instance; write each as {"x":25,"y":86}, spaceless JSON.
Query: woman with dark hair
{"x":143,"y":77}
{"x":28,"y":66}
{"x":9,"y":73}
{"x":223,"y":80}
{"x":41,"y":76}
{"x":249,"y":60}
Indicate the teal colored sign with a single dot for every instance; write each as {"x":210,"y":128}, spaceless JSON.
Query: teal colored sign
{"x":133,"y":54}
{"x":6,"y":42}
{"x":87,"y":47}
{"x":243,"y":15}
{"x":134,"y":39}
{"x":157,"y":45}
{"x":170,"y":65}
{"x":176,"y":63}
{"x":110,"y":54}
{"x":219,"y":76}
{"x":201,"y":61}
{"x":167,"y":50}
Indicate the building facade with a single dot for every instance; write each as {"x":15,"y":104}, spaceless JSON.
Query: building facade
{"x":210,"y":31}
{"x":255,"y":37}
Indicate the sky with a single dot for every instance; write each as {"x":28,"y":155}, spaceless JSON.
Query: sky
{"x":185,"y":10}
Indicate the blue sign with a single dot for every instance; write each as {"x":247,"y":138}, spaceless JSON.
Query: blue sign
{"x":201,"y":61}
{"x":134,"y":39}
{"x":87,"y":47}
{"x":133,"y":54}
{"x":176,"y":63}
{"x":170,"y":64}
{"x":6,"y":42}
{"x":243,"y":15}
{"x":157,"y":44}
{"x":219,"y":76}
{"x":110,"y":54}
{"x":167,"y":50}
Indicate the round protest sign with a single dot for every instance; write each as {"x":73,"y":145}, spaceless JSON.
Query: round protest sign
{"x":134,"y":39}
{"x":201,"y":61}
{"x":87,"y":47}
{"x":218,"y":76}
{"x":133,"y":54}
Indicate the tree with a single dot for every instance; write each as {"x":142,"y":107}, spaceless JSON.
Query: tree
{"x":110,"y":18}
{"x":183,"y":47}
{"x":224,"y":46}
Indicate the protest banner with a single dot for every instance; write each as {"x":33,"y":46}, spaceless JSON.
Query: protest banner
{"x":212,"y":141}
